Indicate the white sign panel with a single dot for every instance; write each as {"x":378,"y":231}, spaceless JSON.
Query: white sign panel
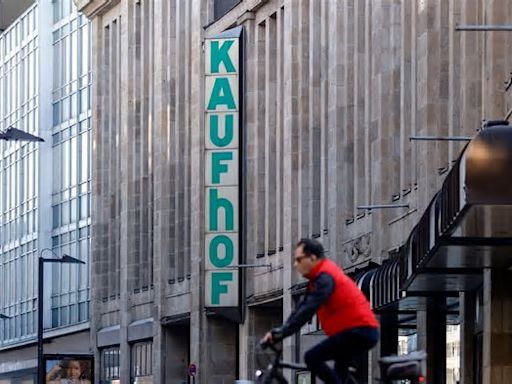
{"x":222,"y":175}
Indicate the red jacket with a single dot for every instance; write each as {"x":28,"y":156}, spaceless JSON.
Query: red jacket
{"x":346,"y":307}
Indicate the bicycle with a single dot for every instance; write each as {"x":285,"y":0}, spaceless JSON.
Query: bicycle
{"x":406,"y":367}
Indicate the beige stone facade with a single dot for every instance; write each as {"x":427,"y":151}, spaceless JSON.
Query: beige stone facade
{"x":333,"y":92}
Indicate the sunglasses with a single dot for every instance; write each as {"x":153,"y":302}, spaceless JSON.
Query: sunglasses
{"x":298,"y":259}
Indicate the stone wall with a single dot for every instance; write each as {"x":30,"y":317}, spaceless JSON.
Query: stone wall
{"x":333,"y":92}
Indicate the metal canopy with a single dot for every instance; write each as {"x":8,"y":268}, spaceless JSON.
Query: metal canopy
{"x":468,"y":224}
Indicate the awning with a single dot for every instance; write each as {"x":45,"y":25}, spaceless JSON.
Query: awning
{"x":468,"y":224}
{"x":381,"y":285}
{"x":385,"y":285}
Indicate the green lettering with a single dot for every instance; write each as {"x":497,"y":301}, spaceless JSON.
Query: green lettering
{"x":220,"y":54}
{"x":221,"y":94}
{"x":217,"y":287}
{"x":217,"y":166}
{"x":228,"y":130}
{"x":214,"y":251}
{"x":215,"y":204}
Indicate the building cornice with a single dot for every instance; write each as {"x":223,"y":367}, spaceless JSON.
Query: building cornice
{"x":93,"y":8}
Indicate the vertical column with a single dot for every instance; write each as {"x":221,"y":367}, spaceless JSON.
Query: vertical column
{"x":497,"y":343}
{"x":250,"y":169}
{"x":470,"y":69}
{"x":126,"y":229}
{"x":429,"y":92}
{"x":162,"y":23}
{"x":315,"y":118}
{"x":324,"y":136}
{"x":454,"y":99}
{"x":44,"y":152}
{"x":431,"y":326}
{"x":303,"y":127}
{"x":290,"y":152}
{"x":388,"y":344}
{"x":198,"y":321}
{"x":467,"y":343}
{"x":348,"y":106}
{"x":496,"y":64}
{"x":335,"y":182}
{"x":99,"y":262}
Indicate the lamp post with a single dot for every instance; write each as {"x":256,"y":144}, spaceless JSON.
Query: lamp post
{"x":40,"y":271}
{"x":15,"y":134}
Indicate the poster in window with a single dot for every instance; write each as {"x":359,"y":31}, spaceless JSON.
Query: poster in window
{"x":69,"y":369}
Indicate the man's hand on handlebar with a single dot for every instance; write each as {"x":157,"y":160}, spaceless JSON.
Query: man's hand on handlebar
{"x":267,"y":339}
{"x":271,"y":337}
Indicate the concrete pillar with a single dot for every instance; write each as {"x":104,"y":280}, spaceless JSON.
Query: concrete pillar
{"x":213,"y":348}
{"x":388,"y":343}
{"x":467,"y":339}
{"x":431,"y":325}
{"x":260,"y":319}
{"x":497,"y":342}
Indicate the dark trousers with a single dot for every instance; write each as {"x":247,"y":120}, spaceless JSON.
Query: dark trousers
{"x":343,"y":348}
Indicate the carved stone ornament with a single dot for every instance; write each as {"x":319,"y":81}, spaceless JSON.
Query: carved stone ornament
{"x":358,"y":249}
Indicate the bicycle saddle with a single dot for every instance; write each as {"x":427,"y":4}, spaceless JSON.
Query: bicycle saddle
{"x":413,"y":356}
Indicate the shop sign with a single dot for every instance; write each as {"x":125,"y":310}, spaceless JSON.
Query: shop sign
{"x":222,"y":173}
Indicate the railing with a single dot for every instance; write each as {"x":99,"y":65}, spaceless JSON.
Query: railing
{"x":437,"y":221}
{"x":449,"y":200}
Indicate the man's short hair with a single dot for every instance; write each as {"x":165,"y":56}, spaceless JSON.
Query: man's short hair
{"x":312,"y":247}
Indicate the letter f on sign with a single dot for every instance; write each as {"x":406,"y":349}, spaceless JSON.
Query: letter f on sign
{"x":218,"y":286}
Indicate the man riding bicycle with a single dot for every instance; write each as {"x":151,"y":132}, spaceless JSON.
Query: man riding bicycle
{"x":344,"y":313}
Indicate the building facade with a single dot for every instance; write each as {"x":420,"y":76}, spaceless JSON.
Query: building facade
{"x":337,"y":104}
{"x":45,"y":193}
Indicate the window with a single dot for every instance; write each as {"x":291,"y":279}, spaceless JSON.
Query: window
{"x":109,"y":365}
{"x":142,"y":362}
{"x":221,"y":7}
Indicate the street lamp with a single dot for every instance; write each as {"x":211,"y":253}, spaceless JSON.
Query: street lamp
{"x":64,"y":259}
{"x":14,"y":134}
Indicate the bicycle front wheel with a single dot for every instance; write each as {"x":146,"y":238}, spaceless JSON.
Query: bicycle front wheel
{"x":272,"y":377}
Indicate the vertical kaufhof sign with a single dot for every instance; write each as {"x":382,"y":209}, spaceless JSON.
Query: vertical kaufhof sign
{"x":222,"y":174}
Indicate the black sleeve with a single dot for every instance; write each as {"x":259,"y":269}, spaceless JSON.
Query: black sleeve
{"x":323,"y":286}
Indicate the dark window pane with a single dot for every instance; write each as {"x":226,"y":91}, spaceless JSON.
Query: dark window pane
{"x":221,"y":7}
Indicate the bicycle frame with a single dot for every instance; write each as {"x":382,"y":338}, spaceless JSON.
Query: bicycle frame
{"x":273,"y":370}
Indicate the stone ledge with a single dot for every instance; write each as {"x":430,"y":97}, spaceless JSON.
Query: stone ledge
{"x":93,"y":8}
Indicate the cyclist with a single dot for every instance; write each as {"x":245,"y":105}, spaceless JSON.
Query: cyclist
{"x":344,"y":313}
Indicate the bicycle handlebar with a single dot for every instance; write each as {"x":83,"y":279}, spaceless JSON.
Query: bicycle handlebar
{"x":265,"y":345}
